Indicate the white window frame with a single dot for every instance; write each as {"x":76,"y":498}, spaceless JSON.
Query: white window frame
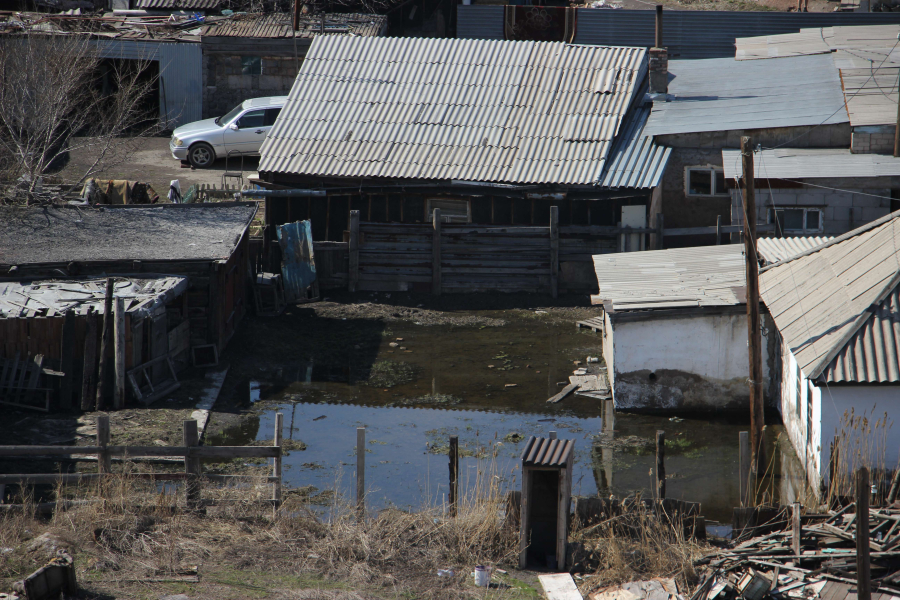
{"x":804,"y":230}
{"x":445,"y":218}
{"x":712,"y":170}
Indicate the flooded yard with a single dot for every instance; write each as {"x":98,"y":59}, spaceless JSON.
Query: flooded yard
{"x":484,"y":376}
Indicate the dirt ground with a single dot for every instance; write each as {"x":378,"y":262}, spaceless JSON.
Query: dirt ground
{"x":153,"y":163}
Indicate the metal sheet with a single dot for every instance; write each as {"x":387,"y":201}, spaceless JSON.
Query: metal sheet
{"x":819,"y":300}
{"x":278,"y":25}
{"x":544,"y":452}
{"x":177,"y":4}
{"x":722,"y":94}
{"x":452,"y":109}
{"x":181,"y":83}
{"x":298,"y":264}
{"x":480,"y":22}
{"x":809,"y":163}
{"x":873,"y":354}
{"x":635,"y":160}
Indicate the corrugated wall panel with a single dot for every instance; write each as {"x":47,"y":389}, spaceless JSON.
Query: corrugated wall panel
{"x":480,"y":22}
{"x":687,"y":34}
{"x":181,"y":81}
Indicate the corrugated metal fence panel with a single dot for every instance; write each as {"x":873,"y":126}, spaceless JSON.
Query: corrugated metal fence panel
{"x":128,"y":49}
{"x":480,"y":22}
{"x":687,"y":34}
{"x":181,"y":83}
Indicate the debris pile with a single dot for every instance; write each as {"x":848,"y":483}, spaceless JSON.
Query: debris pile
{"x":815,"y":557}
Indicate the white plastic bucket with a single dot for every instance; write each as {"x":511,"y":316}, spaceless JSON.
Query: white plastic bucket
{"x":482,"y":575}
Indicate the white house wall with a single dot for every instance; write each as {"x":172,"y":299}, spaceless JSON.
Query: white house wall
{"x":697,"y":362}
{"x":801,"y":410}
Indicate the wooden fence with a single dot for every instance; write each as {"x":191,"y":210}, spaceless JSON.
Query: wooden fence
{"x":190,"y":451}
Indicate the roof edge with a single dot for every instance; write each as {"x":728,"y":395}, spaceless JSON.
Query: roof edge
{"x":841,"y":238}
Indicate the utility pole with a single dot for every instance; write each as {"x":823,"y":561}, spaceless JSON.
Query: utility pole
{"x":754,"y":345}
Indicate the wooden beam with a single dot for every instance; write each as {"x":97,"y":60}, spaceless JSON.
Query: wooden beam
{"x":660,"y":464}
{"x":863,"y":562}
{"x":565,"y":392}
{"x":103,"y":458}
{"x":105,"y":343}
{"x":119,"y":354}
{"x":744,"y":467}
{"x":67,"y":361}
{"x":191,"y":438}
{"x":454,"y":474}
{"x":361,"y":469}
{"x":276,"y":471}
{"x":436,"y":282}
{"x":353,"y":278}
{"x":554,"y":251}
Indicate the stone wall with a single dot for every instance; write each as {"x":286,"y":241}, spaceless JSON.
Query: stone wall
{"x":225,"y":86}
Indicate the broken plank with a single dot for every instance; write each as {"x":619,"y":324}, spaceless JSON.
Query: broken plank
{"x":559,"y":586}
{"x":565,"y":392}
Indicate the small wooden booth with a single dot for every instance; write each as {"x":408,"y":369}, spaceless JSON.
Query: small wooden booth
{"x":546,"y":492}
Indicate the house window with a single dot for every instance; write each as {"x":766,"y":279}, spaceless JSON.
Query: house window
{"x":705,"y":181}
{"x":251,"y":65}
{"x":452,"y":211}
{"x":796,"y":220}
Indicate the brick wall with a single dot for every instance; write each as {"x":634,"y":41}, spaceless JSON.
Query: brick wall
{"x":881,"y":142}
{"x":225,"y":86}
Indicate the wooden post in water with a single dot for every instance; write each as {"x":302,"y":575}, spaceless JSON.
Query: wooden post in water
{"x":353,"y":275}
{"x":119,"y":353}
{"x":609,"y":415}
{"x":795,"y":531}
{"x":454,"y":474}
{"x":89,"y":368}
{"x":103,"y":460}
{"x":552,"y":435}
{"x":276,"y":471}
{"x":744,"y":467}
{"x":436,"y":282}
{"x":67,"y":361}
{"x":660,"y":464}
{"x":863,"y":565}
{"x":361,"y":469}
{"x":190,"y":438}
{"x":105,"y":341}
{"x":554,"y":251}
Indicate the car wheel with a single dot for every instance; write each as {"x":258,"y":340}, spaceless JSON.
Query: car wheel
{"x":201,"y":155}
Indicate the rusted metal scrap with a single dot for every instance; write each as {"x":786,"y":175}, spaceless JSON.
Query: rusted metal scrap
{"x":55,"y":579}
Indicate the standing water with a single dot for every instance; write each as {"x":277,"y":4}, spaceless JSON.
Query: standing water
{"x":414,"y":386}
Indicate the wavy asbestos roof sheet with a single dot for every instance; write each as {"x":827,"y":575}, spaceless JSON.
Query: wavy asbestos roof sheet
{"x":279,"y":25}
{"x":722,"y":94}
{"x":832,"y":306}
{"x":635,"y":161}
{"x":773,"y":250}
{"x":471,"y":110}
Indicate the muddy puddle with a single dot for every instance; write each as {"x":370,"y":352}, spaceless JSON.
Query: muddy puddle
{"x":412,"y":386}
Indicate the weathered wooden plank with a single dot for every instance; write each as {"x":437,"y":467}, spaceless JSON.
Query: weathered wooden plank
{"x":559,"y":586}
{"x":565,"y":392}
{"x":67,"y":359}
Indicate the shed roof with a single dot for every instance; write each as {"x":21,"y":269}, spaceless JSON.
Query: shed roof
{"x":176,"y":4}
{"x":812,"y":163}
{"x":544,"y":452}
{"x":51,"y":234}
{"x":722,"y":94}
{"x":773,"y":250}
{"x":836,"y":306}
{"x":439,"y":109}
{"x":635,"y":160}
{"x":46,"y":298}
{"x":279,"y":25}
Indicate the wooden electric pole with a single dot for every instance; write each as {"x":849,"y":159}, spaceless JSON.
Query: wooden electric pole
{"x":757,"y":418}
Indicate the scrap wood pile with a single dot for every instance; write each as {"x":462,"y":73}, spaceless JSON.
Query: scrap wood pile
{"x":768,"y":565}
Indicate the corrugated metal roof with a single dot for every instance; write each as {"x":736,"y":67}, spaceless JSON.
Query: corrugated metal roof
{"x":722,"y":94}
{"x":471,"y":110}
{"x":687,"y":33}
{"x":278,"y":25}
{"x":176,"y":4}
{"x":821,"y":300}
{"x":635,"y":161}
{"x":812,"y":163}
{"x":544,"y":452}
{"x":772,"y":250}
{"x":873,"y":354}
{"x":674,"y":278}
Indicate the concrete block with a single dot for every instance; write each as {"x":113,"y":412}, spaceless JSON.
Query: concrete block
{"x":840,"y":213}
{"x":784,"y":199}
{"x":828,"y":213}
{"x":870,"y":214}
{"x":839,"y":199}
{"x":269,"y":82}
{"x":811,"y":198}
{"x":869,"y":201}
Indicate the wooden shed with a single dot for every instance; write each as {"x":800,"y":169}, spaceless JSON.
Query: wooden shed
{"x":546,"y":492}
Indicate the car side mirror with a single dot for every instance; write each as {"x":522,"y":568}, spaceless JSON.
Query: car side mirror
{"x":233,"y":127}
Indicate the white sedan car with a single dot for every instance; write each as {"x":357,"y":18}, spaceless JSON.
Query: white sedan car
{"x":240,"y":132}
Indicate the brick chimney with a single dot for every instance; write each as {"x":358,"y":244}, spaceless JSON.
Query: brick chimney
{"x":659,"y":60}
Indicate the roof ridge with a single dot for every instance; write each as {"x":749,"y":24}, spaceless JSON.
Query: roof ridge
{"x":837,"y":240}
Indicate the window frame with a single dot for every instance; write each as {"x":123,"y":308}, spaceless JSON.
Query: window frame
{"x":255,"y":61}
{"x":771,"y":219}
{"x":447,"y":218}
{"x":714,"y":191}
{"x":247,"y":112}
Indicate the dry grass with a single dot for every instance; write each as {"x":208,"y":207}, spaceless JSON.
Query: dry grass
{"x":860,"y":441}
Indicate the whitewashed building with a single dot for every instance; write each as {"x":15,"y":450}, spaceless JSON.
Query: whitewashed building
{"x":836,"y":311}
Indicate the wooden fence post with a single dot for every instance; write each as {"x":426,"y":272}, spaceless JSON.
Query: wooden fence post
{"x":744,"y":467}
{"x":609,"y":415}
{"x":353,"y":275}
{"x":863,"y":565}
{"x":554,"y":251}
{"x":105,"y":341}
{"x":279,"y":426}
{"x":103,"y":460}
{"x":660,"y":232}
{"x":718,"y":230}
{"x":191,"y":438}
{"x":660,"y":464}
{"x":67,"y":361}
{"x":119,"y":353}
{"x":89,"y":369}
{"x":361,"y":469}
{"x":552,"y":435}
{"x":454,"y":474}
{"x":795,"y":531}
{"x":436,"y":283}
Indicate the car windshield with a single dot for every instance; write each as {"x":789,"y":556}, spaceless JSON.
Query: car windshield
{"x":230,"y":116}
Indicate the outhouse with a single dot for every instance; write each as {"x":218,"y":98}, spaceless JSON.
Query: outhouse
{"x":546,"y":491}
